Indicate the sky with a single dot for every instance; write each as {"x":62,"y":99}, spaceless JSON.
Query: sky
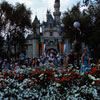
{"x":39,"y":7}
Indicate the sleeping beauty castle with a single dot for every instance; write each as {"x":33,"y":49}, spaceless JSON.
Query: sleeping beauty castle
{"x":51,"y":36}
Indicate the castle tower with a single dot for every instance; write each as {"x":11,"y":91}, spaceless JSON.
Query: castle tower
{"x":57,"y":12}
{"x":36,"y":36}
{"x":48,"y":14}
{"x":36,"y":26}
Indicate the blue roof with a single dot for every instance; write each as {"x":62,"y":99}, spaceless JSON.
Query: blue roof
{"x":29,"y":37}
{"x":36,"y":21}
{"x":50,"y":20}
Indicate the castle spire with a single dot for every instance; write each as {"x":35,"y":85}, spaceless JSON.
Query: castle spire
{"x":57,"y":1}
{"x":48,"y":14}
{"x":57,"y":12}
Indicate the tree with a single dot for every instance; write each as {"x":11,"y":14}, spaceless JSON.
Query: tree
{"x":70,"y":32}
{"x":90,"y":27}
{"x":94,"y":39}
{"x":16,"y":22}
{"x":22,"y":19}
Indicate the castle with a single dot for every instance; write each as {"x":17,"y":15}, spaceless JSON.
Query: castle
{"x":51,"y":36}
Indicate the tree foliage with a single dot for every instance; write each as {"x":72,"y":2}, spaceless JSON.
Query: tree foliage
{"x":94,"y":39}
{"x":76,"y":15}
{"x":89,"y":19}
{"x":16,"y":20}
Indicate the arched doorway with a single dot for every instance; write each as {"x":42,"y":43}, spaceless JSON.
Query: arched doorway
{"x":52,"y":50}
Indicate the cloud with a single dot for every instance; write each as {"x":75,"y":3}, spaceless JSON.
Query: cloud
{"x":40,"y":7}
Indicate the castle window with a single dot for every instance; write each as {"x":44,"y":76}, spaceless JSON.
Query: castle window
{"x":50,"y":33}
{"x":51,"y":25}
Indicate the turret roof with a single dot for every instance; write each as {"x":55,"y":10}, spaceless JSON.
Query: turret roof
{"x":36,"y":21}
{"x":57,"y":1}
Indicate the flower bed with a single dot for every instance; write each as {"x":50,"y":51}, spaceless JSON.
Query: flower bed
{"x":49,"y":84}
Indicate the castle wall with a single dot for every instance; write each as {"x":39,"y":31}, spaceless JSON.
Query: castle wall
{"x":35,"y":44}
{"x":55,"y":34}
{"x":29,"y":51}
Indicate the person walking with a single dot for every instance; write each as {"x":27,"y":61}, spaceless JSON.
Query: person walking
{"x":85,"y":66}
{"x":70,"y":58}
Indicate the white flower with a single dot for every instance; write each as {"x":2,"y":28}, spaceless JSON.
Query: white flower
{"x":93,"y":82}
{"x":55,"y":75}
{"x":41,"y":76}
{"x":58,"y":85}
{"x":91,"y":77}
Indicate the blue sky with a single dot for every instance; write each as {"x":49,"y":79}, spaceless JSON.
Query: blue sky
{"x":39,"y":7}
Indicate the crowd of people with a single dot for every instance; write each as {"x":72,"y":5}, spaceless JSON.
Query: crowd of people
{"x":82,"y":62}
{"x":23,"y":62}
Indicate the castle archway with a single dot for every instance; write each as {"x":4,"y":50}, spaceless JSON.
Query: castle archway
{"x":51,"y":50}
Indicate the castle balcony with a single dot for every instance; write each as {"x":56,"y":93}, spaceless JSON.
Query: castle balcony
{"x":50,"y":29}
{"x":51,"y":38}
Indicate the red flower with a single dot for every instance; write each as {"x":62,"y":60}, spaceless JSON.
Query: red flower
{"x":57,"y":80}
{"x":87,"y":72}
{"x":34,"y":80}
{"x":79,"y":76}
{"x":97,"y":82}
{"x":67,"y":79}
{"x":73,"y":77}
{"x":25,"y":82}
{"x":75,"y":74}
{"x":94,"y":69}
{"x":32,"y":74}
{"x":70,"y":77}
{"x":49,"y":78}
{"x":20,"y":78}
{"x":32,"y":83}
{"x":10,"y":75}
{"x":63,"y":79}
{"x":5,"y":72}
{"x":38,"y":72}
{"x":92,"y":72}
{"x":5,"y":77}
{"x":21,"y":74}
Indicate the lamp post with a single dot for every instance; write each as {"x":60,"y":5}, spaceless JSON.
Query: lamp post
{"x":77,"y":26}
